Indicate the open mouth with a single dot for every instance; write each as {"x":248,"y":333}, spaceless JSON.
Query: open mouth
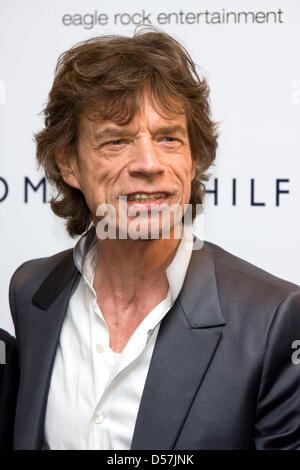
{"x":146,"y":197}
{"x":146,"y":201}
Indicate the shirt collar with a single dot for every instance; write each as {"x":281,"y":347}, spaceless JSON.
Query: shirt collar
{"x":176,"y":271}
{"x":85,"y":256}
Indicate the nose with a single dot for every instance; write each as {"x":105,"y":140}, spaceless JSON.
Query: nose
{"x":145,"y":160}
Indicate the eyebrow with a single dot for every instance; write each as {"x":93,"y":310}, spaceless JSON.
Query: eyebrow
{"x":176,"y":129}
{"x":119,"y":132}
{"x":113,"y":132}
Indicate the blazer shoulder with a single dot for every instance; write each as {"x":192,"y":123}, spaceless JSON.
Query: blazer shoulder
{"x":229,"y":265}
{"x":29,"y":276}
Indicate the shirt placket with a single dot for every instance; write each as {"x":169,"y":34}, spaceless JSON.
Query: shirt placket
{"x":110,"y":366}
{"x":99,"y":436}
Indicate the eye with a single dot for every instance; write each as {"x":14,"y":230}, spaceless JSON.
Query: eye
{"x":115,"y":145}
{"x":169,"y":141}
{"x":116,"y":142}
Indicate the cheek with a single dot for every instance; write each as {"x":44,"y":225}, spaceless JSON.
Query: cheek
{"x":186,"y":180}
{"x":94,"y":174}
{"x":92,"y":188}
{"x":103,"y":184}
{"x":186,"y":172}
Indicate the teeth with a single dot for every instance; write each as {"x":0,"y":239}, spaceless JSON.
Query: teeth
{"x":143,"y":197}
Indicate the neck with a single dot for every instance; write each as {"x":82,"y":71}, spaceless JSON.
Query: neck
{"x":129,"y":269}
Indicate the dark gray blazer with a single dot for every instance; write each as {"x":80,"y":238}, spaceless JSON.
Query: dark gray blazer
{"x":224,"y":372}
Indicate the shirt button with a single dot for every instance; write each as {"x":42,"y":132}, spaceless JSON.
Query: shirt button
{"x":99,"y":419}
{"x":99,"y":348}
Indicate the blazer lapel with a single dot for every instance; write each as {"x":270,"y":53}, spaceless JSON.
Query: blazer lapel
{"x":42,"y":338}
{"x":187,"y":340}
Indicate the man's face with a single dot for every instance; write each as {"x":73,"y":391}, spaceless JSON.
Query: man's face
{"x":147,"y":160}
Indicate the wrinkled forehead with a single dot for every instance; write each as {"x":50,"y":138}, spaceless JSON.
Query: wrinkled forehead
{"x":125,"y":109}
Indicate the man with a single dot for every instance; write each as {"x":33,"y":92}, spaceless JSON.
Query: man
{"x":9,"y":378}
{"x":133,"y":341}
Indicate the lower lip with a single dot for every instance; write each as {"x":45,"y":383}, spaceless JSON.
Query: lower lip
{"x":149,"y":204}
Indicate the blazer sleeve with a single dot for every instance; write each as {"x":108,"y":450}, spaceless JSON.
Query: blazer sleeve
{"x":278,"y":407}
{"x":9,"y":380}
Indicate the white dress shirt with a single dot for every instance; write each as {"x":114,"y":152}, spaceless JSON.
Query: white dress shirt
{"x":95,"y":393}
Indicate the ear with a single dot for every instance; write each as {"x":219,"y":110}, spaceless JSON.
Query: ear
{"x":67,"y":163}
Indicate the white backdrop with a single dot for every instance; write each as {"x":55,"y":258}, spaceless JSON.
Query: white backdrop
{"x":253,"y":68}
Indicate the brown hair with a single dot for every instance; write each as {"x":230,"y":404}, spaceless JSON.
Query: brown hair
{"x":107,"y":74}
